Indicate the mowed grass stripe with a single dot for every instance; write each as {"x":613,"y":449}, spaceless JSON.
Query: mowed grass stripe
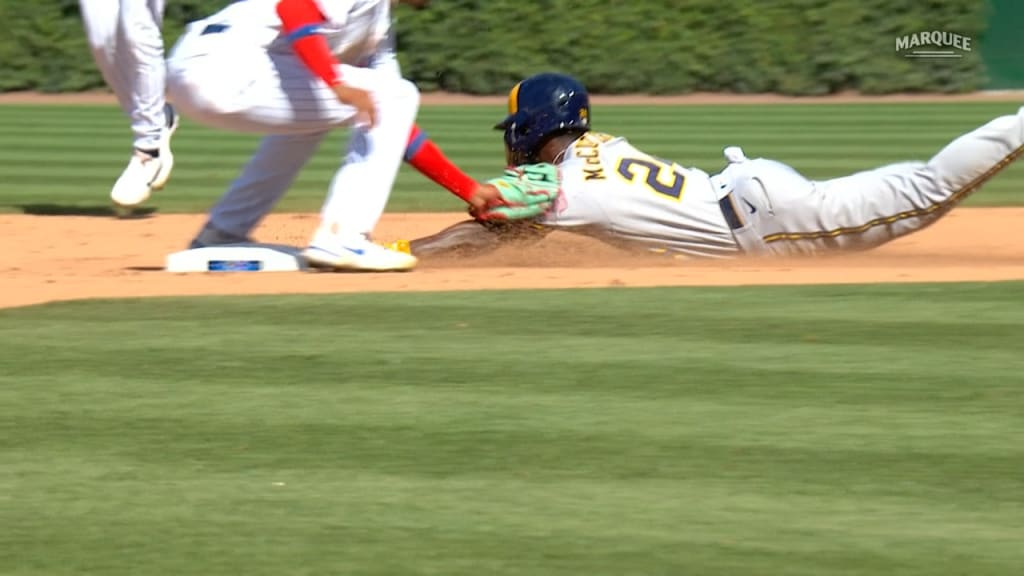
{"x":635,"y":120}
{"x":214,"y":152}
{"x":807,"y":430}
{"x":821,"y":140}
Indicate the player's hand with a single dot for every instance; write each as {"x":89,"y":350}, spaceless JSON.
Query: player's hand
{"x":526,"y":191}
{"x":485,"y":196}
{"x":361,"y":100}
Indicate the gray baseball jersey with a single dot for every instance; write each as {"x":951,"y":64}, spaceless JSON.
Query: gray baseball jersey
{"x":612,"y":190}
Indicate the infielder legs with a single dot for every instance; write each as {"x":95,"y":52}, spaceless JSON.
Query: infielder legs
{"x":127,"y":45}
{"x":145,"y":68}
{"x":251,"y":90}
{"x":102,"y":20}
{"x":263,"y":182}
{"x":868,"y":209}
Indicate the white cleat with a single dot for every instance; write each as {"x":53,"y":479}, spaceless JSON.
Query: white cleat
{"x":135,"y":184}
{"x":332,"y":252}
{"x":146,"y":173}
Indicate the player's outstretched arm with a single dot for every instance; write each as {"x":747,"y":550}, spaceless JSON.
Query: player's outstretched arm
{"x":472,"y":238}
{"x":422,"y":154}
{"x":527,"y":192}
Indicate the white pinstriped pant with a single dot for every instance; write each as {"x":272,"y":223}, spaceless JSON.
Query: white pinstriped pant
{"x":126,"y":43}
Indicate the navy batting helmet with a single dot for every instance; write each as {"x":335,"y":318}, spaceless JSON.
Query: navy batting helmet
{"x":540,"y":107}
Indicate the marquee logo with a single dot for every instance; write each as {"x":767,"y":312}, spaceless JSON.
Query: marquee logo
{"x":934,"y":44}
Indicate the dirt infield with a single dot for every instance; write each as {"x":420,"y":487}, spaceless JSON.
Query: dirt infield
{"x":50,"y":258}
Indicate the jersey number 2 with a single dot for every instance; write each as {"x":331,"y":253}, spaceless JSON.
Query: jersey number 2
{"x":660,"y":177}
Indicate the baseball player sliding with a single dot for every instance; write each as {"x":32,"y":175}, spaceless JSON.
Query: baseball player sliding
{"x":128,"y":48}
{"x":294,"y":70}
{"x":611,"y":190}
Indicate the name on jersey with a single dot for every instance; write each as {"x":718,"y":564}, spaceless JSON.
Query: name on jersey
{"x":587,"y":148}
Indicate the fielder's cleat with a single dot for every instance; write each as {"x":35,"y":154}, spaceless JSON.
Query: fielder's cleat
{"x":146,"y":172}
{"x":134,"y":185}
{"x":332,"y":252}
{"x":210,"y":236}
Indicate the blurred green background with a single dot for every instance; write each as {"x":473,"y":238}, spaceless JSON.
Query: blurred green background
{"x":662,"y":46}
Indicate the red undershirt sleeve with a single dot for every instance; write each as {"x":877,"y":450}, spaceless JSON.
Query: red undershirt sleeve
{"x":301,"y":20}
{"x":421,"y":153}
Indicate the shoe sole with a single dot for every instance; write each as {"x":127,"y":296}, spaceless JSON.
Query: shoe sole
{"x":324,"y":260}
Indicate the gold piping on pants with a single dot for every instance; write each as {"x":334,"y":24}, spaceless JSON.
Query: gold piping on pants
{"x":917,"y":212}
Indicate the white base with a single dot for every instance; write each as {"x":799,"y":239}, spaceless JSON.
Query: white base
{"x":238,"y":258}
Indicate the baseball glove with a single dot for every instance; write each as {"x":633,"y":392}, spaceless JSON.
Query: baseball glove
{"x":527,"y":191}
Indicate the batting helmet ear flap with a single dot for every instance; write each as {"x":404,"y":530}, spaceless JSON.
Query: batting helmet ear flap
{"x":516,"y":133}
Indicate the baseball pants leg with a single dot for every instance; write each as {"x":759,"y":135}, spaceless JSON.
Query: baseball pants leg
{"x":865,"y":210}
{"x":230,"y":86}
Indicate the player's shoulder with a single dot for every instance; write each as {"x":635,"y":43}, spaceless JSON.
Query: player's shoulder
{"x":601,"y":138}
{"x":596,"y":141}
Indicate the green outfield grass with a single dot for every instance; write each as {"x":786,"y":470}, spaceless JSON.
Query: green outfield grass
{"x":54,"y":157}
{"x":784,"y":431}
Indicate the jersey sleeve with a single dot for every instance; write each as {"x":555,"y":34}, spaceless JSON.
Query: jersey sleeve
{"x":301,"y":21}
